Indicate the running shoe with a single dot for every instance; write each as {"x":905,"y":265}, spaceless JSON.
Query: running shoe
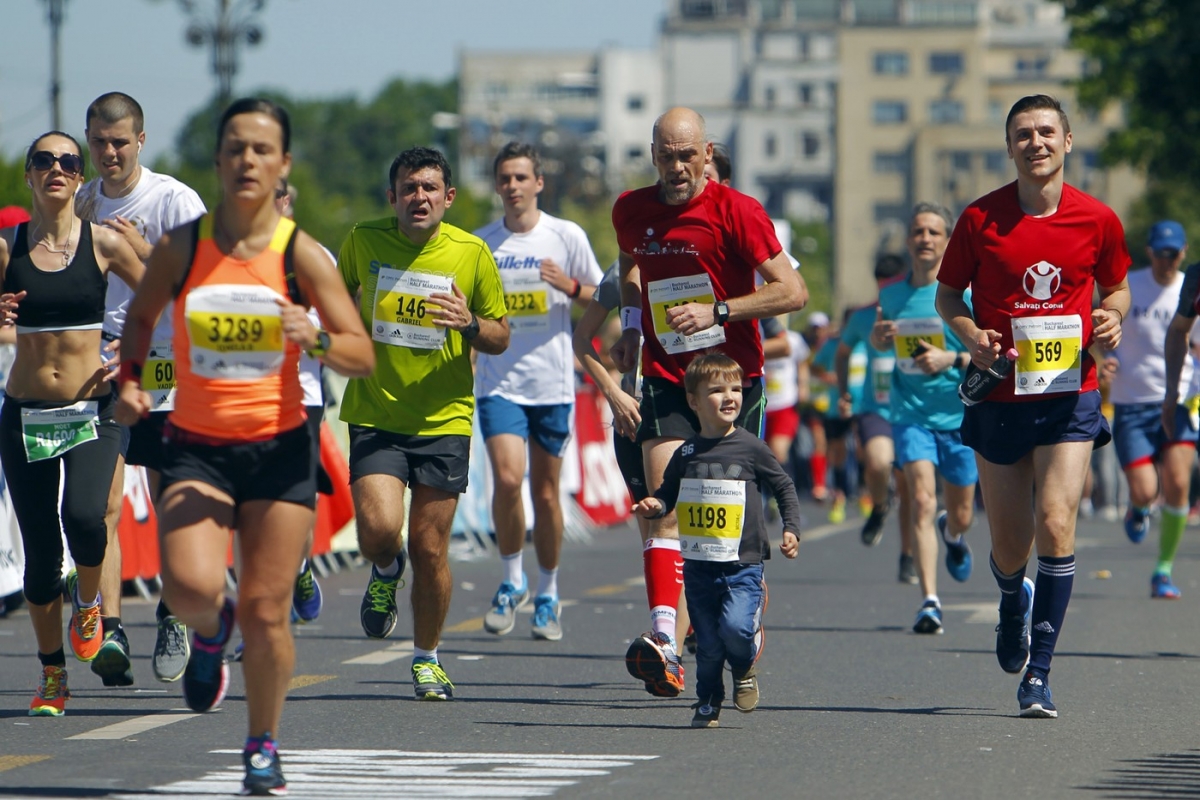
{"x":689,"y":640}
{"x":865,"y":505}
{"x":378,"y":613}
{"x":264,"y":770}
{"x":1033,"y":696}
{"x":503,"y":614}
{"x":306,"y":595}
{"x":171,"y":649}
{"x":872,"y":530}
{"x":651,"y":658}
{"x":929,"y":618}
{"x":837,"y":512}
{"x":745,"y":690}
{"x":1161,"y":587}
{"x":546,"y":611}
{"x":50,"y":699}
{"x":238,"y":652}
{"x":206,"y":678}
{"x":707,"y":715}
{"x":1137,"y":523}
{"x":86,"y":631}
{"x":1012,"y":633}
{"x":112,"y":663}
{"x":430,"y":681}
{"x":908,"y":570}
{"x":958,"y":554}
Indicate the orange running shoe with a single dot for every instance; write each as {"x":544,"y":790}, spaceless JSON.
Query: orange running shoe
{"x":651,"y":658}
{"x":51,"y":697}
{"x":85,"y":634}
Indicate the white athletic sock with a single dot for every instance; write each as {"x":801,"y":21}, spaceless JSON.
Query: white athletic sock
{"x":934,"y":599}
{"x":303,"y":566}
{"x":424,"y":655}
{"x":662,"y":619}
{"x":391,"y":571}
{"x":548,"y":582}
{"x":514,"y":568}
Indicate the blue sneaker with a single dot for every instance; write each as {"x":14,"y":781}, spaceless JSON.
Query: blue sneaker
{"x":546,"y":610}
{"x":1012,"y":634}
{"x":206,"y":678}
{"x":264,"y":770}
{"x":1137,"y":523}
{"x":929,"y":618}
{"x":958,"y":554}
{"x":1034,"y":697}
{"x":503,"y":614}
{"x":1161,"y":587}
{"x":306,"y":595}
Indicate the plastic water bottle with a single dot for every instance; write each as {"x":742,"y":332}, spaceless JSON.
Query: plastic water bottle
{"x":979,"y":383}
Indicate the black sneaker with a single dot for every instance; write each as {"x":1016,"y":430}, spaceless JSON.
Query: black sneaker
{"x":708,"y":715}
{"x":171,"y":649}
{"x":264,"y":770}
{"x":908,"y":570}
{"x":378,"y":613}
{"x":1012,"y":634}
{"x":206,"y":678}
{"x":1033,"y":696}
{"x":112,"y":663}
{"x":872,"y":530}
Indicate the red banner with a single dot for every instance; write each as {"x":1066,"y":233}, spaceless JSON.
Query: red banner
{"x":603,"y":495}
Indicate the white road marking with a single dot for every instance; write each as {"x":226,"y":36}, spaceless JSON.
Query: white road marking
{"x":374,"y":773}
{"x":132,"y":727}
{"x":387,"y":655}
{"x":980,"y":613}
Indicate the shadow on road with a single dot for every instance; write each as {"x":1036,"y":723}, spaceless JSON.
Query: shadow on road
{"x":1167,"y":775}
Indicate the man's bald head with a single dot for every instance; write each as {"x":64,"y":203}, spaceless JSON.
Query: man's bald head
{"x":681,"y":149}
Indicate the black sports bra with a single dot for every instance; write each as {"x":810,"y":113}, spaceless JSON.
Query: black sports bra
{"x":71,"y":299}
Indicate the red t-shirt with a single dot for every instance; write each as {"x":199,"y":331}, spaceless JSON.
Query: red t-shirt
{"x":722,"y":234}
{"x":1021,"y":267}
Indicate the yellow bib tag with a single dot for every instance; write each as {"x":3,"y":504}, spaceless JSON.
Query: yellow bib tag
{"x":711,"y":514}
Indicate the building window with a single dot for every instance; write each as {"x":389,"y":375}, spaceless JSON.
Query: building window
{"x":889,"y":112}
{"x":810,"y":143}
{"x":946,"y":63}
{"x":946,"y":112}
{"x":771,"y":9}
{"x":635,"y":154}
{"x":804,"y":93}
{"x":817,"y":9}
{"x":892,"y":163}
{"x":636,"y":102}
{"x":769,"y":145}
{"x":891,"y":212}
{"x":1032,"y":67}
{"x":996,"y":112}
{"x":960,"y":161}
{"x":769,"y":96}
{"x":891,"y":63}
{"x":878,"y":11}
{"x":995,"y":161}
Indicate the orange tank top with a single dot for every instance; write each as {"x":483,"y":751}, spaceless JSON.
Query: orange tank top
{"x":237,"y":377}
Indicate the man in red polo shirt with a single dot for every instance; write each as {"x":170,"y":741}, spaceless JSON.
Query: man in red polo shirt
{"x":690,"y":249}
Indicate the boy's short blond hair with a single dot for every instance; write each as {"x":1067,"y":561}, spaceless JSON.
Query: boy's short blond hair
{"x":709,"y":367}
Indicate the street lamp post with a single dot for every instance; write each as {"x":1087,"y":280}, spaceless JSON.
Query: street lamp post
{"x":55,"y":13}
{"x":231,"y":24}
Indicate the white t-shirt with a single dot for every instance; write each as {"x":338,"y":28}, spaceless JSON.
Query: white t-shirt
{"x":310,"y":368}
{"x":537,"y":368}
{"x":1142,"y":377}
{"x":157,"y":204}
{"x":782,"y":380}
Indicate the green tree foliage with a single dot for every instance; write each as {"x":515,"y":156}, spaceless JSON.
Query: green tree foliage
{"x":1145,"y":55}
{"x":13,"y":191}
{"x":812,"y":246}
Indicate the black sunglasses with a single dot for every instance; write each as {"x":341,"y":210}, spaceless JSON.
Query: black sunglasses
{"x":43,"y":160}
{"x":1167,"y":252}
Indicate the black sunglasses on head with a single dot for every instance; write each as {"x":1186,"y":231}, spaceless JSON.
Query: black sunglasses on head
{"x":70,"y":163}
{"x":1168,"y":253}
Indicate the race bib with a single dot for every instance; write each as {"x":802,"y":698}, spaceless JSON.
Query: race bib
{"x":527,"y":298}
{"x":50,"y":432}
{"x":402,"y":313}
{"x":234,"y":332}
{"x":881,"y":379}
{"x":1051,"y":354}
{"x":909,"y":335}
{"x":672,"y":292}
{"x":856,"y":374}
{"x":710,"y":515}
{"x":158,"y":376}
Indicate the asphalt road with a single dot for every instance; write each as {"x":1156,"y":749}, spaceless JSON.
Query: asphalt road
{"x":854,"y":704}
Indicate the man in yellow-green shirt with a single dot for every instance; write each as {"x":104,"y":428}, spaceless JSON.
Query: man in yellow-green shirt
{"x":428,"y":292}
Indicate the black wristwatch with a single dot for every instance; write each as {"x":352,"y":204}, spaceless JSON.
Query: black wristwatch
{"x":472,"y":329}
{"x":322,"y":346}
{"x":721,"y":312}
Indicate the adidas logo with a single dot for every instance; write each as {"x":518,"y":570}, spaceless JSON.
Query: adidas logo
{"x":1040,"y":382}
{"x":1044,"y":627}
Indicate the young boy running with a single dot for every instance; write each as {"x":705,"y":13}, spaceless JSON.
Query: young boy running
{"x":715,"y":481}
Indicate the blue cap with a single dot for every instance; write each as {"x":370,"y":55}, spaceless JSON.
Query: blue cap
{"x":1167,"y":235}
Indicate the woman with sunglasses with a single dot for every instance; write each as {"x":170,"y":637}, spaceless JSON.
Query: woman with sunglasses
{"x":239,"y":451}
{"x":58,"y":411}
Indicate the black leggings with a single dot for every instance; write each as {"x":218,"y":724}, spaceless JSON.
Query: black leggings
{"x":87,"y":473}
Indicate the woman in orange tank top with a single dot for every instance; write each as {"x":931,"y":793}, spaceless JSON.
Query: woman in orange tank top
{"x":239,"y":451}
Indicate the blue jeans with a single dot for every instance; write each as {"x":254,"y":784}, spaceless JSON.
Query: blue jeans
{"x":725,"y":602}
